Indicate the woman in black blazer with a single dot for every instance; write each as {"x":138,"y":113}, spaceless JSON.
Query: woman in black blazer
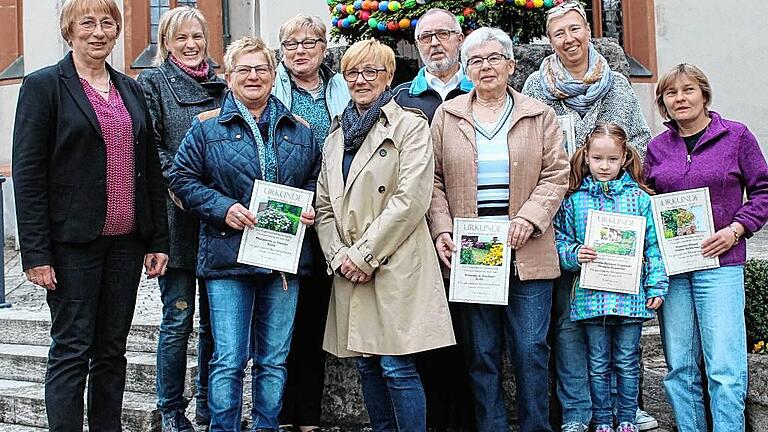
{"x":90,"y":204}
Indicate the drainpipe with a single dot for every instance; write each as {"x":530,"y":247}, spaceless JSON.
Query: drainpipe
{"x":225,"y":23}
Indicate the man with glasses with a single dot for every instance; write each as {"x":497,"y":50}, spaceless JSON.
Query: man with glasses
{"x":443,"y":373}
{"x":438,"y":38}
{"x":311,"y":90}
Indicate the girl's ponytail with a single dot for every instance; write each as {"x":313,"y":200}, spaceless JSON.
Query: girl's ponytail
{"x":634,"y":166}
{"x":579,"y":169}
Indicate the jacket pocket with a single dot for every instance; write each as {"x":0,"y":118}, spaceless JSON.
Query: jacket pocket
{"x":59,"y":201}
{"x":222,"y":248}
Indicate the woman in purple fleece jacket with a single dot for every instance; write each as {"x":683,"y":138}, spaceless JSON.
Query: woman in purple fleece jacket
{"x":703,"y":315}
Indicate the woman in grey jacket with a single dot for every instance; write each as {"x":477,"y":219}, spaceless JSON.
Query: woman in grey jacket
{"x":182,"y":86}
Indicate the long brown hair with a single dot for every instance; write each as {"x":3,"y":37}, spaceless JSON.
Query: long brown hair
{"x":632,"y":163}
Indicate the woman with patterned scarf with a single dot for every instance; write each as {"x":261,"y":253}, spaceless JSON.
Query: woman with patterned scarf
{"x":182,"y":86}
{"x":373,"y":192}
{"x":576,"y":80}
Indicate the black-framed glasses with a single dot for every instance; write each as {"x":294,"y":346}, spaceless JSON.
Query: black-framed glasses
{"x":493,"y":60}
{"x":441,"y":35}
{"x":245,"y":70}
{"x":306,"y":43}
{"x":89,"y":24}
{"x":369,"y":74}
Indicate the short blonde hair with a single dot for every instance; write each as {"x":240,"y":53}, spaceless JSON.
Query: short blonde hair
{"x":369,"y":50}
{"x":311,"y":24}
{"x":247,"y":45}
{"x":169,"y":26}
{"x":667,"y":80}
{"x":72,"y":10}
{"x":564,"y":8}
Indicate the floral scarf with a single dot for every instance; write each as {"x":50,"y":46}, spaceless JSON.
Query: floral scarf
{"x":267,"y":157}
{"x":558,"y":84}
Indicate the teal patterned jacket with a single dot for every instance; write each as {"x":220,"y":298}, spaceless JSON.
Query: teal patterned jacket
{"x":623,"y":196}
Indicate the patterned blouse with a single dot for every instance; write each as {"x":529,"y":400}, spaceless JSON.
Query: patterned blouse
{"x":117,"y":130}
{"x":313,"y":109}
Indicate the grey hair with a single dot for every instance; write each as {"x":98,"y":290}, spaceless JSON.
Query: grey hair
{"x":434,"y":11}
{"x":483,"y":35}
{"x":564,"y":8}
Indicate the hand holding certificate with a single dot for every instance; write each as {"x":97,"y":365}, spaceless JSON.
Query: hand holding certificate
{"x":615,"y":245}
{"x":683,"y":221}
{"x":275,"y":232}
{"x":480,"y":265}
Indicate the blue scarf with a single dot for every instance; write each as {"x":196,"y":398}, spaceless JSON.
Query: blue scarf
{"x":267,"y":158}
{"x":558,"y":84}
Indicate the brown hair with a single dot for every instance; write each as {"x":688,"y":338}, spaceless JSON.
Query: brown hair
{"x":632,"y":163}
{"x":169,"y":25}
{"x":667,"y":80}
{"x":74,"y":9}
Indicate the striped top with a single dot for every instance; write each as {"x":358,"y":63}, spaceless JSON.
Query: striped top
{"x":493,"y":165}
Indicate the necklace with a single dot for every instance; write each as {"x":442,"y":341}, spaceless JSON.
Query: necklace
{"x":100,"y":90}
{"x":490,"y":106}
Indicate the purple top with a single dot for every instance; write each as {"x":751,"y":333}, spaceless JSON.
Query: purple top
{"x":117,"y":130}
{"x":728,"y":160}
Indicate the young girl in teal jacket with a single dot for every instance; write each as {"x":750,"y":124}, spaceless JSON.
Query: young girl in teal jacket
{"x":606,"y":175}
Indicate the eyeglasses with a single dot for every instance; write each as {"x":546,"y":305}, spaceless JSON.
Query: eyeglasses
{"x":493,"y":60}
{"x":90,"y":25}
{"x":245,"y":70}
{"x":441,"y":35}
{"x":369,"y":74}
{"x":306,"y":43}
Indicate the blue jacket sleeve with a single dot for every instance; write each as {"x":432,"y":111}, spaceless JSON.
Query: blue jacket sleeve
{"x":656,"y":282}
{"x":565,"y":237}
{"x":187,"y":179}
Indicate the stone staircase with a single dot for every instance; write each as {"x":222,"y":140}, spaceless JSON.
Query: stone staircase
{"x":24,"y":341}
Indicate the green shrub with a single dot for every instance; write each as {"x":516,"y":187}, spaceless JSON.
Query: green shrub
{"x":756,"y":312}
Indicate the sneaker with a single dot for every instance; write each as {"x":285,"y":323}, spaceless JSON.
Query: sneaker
{"x":574,"y":427}
{"x":645,"y":421}
{"x":177,"y":422}
{"x":604,"y":428}
{"x":626,"y":427}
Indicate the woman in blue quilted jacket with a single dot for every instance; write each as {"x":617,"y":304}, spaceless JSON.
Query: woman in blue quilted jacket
{"x":253,"y":136}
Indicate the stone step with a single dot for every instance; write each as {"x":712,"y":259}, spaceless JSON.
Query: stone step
{"x":22,"y":403}
{"x":28,"y":363}
{"x":19,"y":428}
{"x":23,"y":327}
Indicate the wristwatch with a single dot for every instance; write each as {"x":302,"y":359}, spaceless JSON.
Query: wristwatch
{"x":735,"y":233}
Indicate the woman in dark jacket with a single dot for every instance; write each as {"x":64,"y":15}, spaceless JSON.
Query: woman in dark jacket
{"x":253,"y":136}
{"x":90,"y":208}
{"x":181,"y":87}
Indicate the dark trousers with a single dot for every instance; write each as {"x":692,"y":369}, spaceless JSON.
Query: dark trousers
{"x":446,"y":383}
{"x":91,"y":312}
{"x":306,"y":361}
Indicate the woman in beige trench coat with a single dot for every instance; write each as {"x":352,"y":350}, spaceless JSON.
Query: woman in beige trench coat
{"x":373,"y":193}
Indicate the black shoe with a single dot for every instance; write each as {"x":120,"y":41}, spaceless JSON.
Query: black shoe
{"x":176,"y":422}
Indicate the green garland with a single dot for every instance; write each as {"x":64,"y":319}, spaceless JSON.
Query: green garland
{"x":393,"y":21}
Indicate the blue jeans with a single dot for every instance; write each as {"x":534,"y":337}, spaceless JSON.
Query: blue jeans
{"x":613,"y":349}
{"x":523,"y":323}
{"x":570,"y":352}
{"x":393,"y":394}
{"x":703,"y":315}
{"x":258,"y":305}
{"x":177,"y":291}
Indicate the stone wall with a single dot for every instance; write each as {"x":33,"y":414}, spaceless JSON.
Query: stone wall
{"x":757,"y":396}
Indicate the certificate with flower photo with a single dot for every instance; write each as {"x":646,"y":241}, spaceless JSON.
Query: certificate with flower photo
{"x":683,"y":221}
{"x":275,"y":241}
{"x":480,"y":266}
{"x":618,"y":240}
